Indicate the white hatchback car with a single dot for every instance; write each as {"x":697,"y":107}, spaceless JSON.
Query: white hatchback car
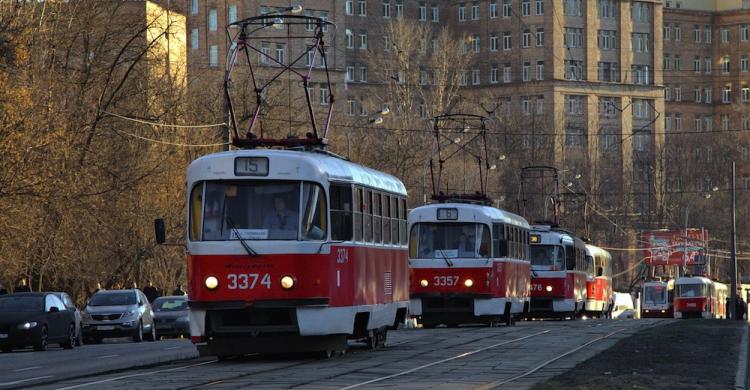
{"x":624,"y":308}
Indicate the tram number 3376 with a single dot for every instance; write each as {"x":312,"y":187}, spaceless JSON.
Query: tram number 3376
{"x":248,"y":281}
{"x":445,"y":280}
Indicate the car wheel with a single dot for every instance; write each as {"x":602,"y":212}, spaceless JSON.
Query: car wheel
{"x":71,"y":341}
{"x":138,"y":336}
{"x":41,"y":344}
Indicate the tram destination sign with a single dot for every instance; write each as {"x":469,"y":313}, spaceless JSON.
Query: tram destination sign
{"x":251,"y":166}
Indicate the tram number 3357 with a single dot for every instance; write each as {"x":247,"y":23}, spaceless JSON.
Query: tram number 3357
{"x":248,"y":281}
{"x":445,"y":280}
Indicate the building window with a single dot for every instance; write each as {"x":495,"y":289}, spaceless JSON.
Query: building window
{"x":525,"y":105}
{"x":265,"y":53}
{"x":696,"y":64}
{"x":363,"y":40}
{"x":194,"y":38}
{"x":697,"y":94}
{"x":575,"y":137}
{"x":213,"y":56}
{"x":572,"y":7}
{"x":493,"y":9}
{"x":573,"y":70}
{"x":422,"y":11}
{"x":677,"y":63}
{"x":350,"y":73}
{"x":743,"y":63}
{"x":707,"y":65}
{"x":677,"y":33}
{"x":607,"y":39}
{"x":725,"y":35}
{"x":707,"y":34}
{"x":745,"y":95}
{"x":323,"y":17}
{"x":399,"y":8}
{"x":697,"y":33}
{"x":349,"y":39}
{"x":362,"y":7}
{"x":280,"y":51}
{"x":725,"y":64}
{"x":678,"y":122}
{"x":526,"y":71}
{"x":475,"y":10}
{"x":506,"y":8}
{"x":213,"y":24}
{"x":745,"y":127}
{"x":309,"y":23}
{"x":493,"y":41}
{"x":724,"y":122}
{"x":525,"y":7}
{"x":540,"y":70}
{"x":351,"y":107}
{"x":386,"y":43}
{"x":386,"y":8}
{"x":462,"y":12}
{"x":708,"y":95}
{"x":667,"y":29}
{"x":573,"y":37}
{"x":507,"y":73}
{"x":435,"y":14}
{"x":193,"y":7}
{"x":506,"y":41}
{"x":349,"y":7}
{"x":540,"y":105}
{"x":726,"y":94}
{"x":526,"y":41}
{"x":539,"y":37}
{"x":324,"y":95}
{"x":493,"y":74}
{"x":641,"y":42}
{"x":667,"y":122}
{"x":362,"y":74}
{"x":641,"y":74}
{"x":475,"y":44}
{"x":475,"y":79}
{"x":540,"y":7}
{"x":607,"y":8}
{"x":743,"y":32}
{"x":667,"y":94}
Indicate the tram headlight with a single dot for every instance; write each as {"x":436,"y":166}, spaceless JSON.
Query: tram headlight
{"x":211,"y":282}
{"x":549,"y":288}
{"x":468,"y":282}
{"x":424,"y":283}
{"x":287,"y":282}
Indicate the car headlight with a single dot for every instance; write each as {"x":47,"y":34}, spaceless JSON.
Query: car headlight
{"x":27,"y":325}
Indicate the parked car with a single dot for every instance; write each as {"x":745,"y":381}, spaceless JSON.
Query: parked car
{"x":624,"y":308}
{"x":65,"y":298}
{"x":118,"y":313}
{"x":35,"y":319}
{"x":171,"y":316}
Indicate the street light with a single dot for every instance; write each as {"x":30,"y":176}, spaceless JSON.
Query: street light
{"x":373,"y":119}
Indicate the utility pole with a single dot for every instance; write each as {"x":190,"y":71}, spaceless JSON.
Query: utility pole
{"x":733,"y":243}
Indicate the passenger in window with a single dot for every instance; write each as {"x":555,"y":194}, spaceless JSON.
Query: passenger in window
{"x":281,"y":223}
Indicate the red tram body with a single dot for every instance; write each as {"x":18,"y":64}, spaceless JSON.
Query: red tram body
{"x":558,"y":273}
{"x":468,"y":264}
{"x":293,"y":251}
{"x":658,"y":299}
{"x":599,"y":296}
{"x":699,"y":297}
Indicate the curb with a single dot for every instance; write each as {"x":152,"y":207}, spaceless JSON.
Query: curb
{"x":740,"y":379}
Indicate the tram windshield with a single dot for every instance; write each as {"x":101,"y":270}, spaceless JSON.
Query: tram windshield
{"x":691,"y":290}
{"x":449,"y":240}
{"x":258,"y":210}
{"x":552,"y":256}
{"x":654,"y":294}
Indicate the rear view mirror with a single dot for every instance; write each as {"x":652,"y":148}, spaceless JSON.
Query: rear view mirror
{"x":161,"y":234}
{"x":54,"y":309}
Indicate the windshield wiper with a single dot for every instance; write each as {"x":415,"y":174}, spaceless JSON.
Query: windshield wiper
{"x":450,"y":263}
{"x":244,"y":244}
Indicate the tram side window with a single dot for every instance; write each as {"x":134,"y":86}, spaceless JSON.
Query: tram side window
{"x":341,"y":212}
{"x":315,"y":217}
{"x":402,"y":221}
{"x":394,"y":221}
{"x":377,"y":222}
{"x":570,"y":257}
{"x":196,"y":212}
{"x":499,"y":242}
{"x":386,"y":219}
{"x":358,"y":215}
{"x":367,"y":215}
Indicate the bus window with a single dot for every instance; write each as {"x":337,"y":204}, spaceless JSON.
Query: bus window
{"x":341,"y":212}
{"x":196,"y":215}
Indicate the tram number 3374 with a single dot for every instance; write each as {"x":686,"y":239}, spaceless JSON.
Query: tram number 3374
{"x":248,"y":281}
{"x":445,"y":280}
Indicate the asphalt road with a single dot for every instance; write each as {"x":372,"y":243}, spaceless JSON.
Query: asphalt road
{"x":458,"y":358}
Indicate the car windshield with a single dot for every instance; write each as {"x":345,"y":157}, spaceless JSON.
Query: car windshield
{"x":655,"y":294}
{"x":450,"y":240}
{"x":551,"y":256}
{"x":169,"y":304}
{"x":691,"y":290}
{"x":12,"y":303}
{"x":113,"y":299}
{"x":259,"y":210}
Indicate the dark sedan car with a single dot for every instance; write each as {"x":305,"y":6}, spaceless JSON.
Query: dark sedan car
{"x":171,"y":316}
{"x":35,"y":319}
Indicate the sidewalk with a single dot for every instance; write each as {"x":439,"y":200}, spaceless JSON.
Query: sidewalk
{"x":682,"y":354}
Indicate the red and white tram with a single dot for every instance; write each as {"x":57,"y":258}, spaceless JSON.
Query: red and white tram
{"x":291,"y":251}
{"x":699,"y":297}
{"x":558,"y":273}
{"x":599,"y":281}
{"x":658,"y":299}
{"x":469,"y":264}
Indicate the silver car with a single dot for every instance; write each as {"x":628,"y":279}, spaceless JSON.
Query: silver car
{"x":72,"y":307}
{"x":118,"y":313}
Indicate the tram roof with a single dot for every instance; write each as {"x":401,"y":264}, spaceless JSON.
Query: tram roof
{"x":294,"y":165}
{"x":595,"y":250}
{"x":467,"y":213}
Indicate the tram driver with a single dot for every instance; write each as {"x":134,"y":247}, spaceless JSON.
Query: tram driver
{"x":282,"y":222}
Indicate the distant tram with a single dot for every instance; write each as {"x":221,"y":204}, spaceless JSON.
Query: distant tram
{"x":599,"y":295}
{"x":293,"y":251}
{"x":658,"y":299}
{"x":699,"y":297}
{"x":558,"y":273}
{"x":469,"y":264}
